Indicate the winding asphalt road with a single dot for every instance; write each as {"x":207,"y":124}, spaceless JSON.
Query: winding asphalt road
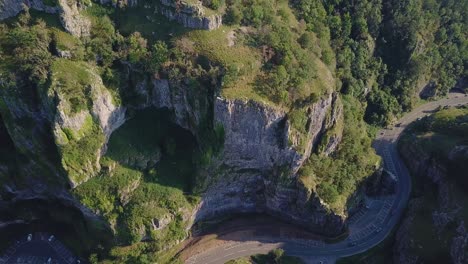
{"x":368,"y":227}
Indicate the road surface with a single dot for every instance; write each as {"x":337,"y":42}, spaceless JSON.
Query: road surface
{"x":40,"y":248}
{"x":368,"y":227}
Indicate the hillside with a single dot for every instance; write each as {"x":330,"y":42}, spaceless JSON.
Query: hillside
{"x":144,"y":118}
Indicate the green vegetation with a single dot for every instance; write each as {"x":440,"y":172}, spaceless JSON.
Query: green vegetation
{"x":287,"y":54}
{"x":79,"y":156}
{"x":438,"y":135}
{"x":145,"y":181}
{"x":336,"y":178}
{"x":72,"y":80}
{"x":161,"y":142}
{"x":143,"y":18}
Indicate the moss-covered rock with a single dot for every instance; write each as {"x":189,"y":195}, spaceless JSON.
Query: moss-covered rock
{"x":83,"y":117}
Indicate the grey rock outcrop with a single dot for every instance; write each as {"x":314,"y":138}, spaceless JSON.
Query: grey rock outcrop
{"x":11,"y":8}
{"x":444,"y":213}
{"x":75,"y":23}
{"x":190,"y":16}
{"x":191,"y":21}
{"x":404,"y":243}
{"x":68,"y":126}
{"x":459,"y":248}
{"x":256,"y":170}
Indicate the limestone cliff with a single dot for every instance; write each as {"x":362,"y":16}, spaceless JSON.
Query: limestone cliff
{"x":72,"y":20}
{"x":441,"y":214}
{"x":255,"y":172}
{"x":81,"y":131}
{"x":11,"y":8}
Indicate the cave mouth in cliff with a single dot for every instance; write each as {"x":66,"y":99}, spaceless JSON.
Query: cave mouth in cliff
{"x":152,"y":143}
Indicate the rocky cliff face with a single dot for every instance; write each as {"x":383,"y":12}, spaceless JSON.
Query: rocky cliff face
{"x":74,"y":130}
{"x":191,"y":16}
{"x":256,"y":170}
{"x":445,"y":213}
{"x":73,"y":22}
{"x":11,"y":8}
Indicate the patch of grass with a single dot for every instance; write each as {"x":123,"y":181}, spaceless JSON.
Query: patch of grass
{"x":67,"y":42}
{"x":241,"y":63}
{"x":72,"y":81}
{"x":79,"y":156}
{"x":152,"y":25}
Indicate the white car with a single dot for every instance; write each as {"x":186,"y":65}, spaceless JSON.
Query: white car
{"x":51,"y":238}
{"x":29,"y":237}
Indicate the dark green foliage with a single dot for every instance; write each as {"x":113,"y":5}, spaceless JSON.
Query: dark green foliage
{"x":103,"y":37}
{"x":213,"y":4}
{"x":391,"y":48}
{"x":159,"y":54}
{"x":233,"y":16}
{"x":328,"y":192}
{"x":382,"y":107}
{"x":25,"y":49}
{"x":136,"y":48}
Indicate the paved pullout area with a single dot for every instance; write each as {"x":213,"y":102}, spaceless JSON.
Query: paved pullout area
{"x":38,"y":248}
{"x":367,"y":227}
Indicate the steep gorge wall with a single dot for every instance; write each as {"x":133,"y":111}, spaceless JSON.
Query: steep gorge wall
{"x":256,"y":170}
{"x":444,"y":213}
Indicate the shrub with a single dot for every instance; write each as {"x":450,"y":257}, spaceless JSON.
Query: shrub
{"x":327,"y":192}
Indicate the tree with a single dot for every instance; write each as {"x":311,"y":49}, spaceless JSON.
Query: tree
{"x":137,"y":50}
{"x":328,"y":192}
{"x":159,"y":55}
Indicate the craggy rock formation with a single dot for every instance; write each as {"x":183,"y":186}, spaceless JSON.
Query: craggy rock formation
{"x":102,"y":117}
{"x":404,"y":241}
{"x":75,"y":23}
{"x":11,"y":8}
{"x":191,"y":16}
{"x":256,"y":170}
{"x":445,"y":213}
